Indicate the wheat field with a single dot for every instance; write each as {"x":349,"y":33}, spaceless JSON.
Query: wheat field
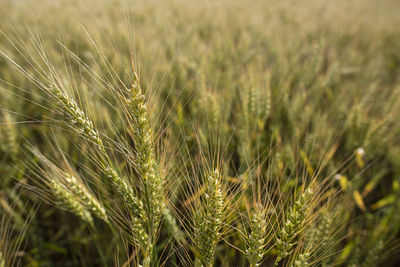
{"x":199,"y":133}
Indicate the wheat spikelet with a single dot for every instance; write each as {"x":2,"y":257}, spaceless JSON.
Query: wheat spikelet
{"x":76,"y":116}
{"x":138,"y":218}
{"x":126,"y":192}
{"x":256,"y":238}
{"x":285,"y":239}
{"x":70,"y":202}
{"x":172,"y":225}
{"x":90,"y":202}
{"x":139,"y":235}
{"x":69,"y":189}
{"x":208,"y":220}
{"x":302,"y":260}
{"x":319,"y":235}
{"x":145,"y":162}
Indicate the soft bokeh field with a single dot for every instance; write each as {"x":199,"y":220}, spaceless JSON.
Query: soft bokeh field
{"x":267,"y":133}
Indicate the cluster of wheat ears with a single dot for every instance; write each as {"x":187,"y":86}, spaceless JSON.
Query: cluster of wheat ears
{"x":251,"y":143}
{"x":143,"y":197}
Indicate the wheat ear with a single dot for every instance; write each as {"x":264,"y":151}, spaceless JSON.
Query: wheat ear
{"x":76,"y":116}
{"x":87,"y":198}
{"x":256,"y":238}
{"x":285,"y":240}
{"x":208,"y":220}
{"x":69,"y":201}
{"x":145,"y":162}
{"x":138,"y":220}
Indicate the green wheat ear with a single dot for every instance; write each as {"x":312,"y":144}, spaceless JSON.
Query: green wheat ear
{"x":208,"y":220}
{"x":90,"y":202}
{"x":145,"y":161}
{"x":317,"y":241}
{"x":286,"y":238}
{"x":171,"y":225}
{"x":138,"y":219}
{"x":70,"y":202}
{"x":76,"y":116}
{"x":256,"y":238}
